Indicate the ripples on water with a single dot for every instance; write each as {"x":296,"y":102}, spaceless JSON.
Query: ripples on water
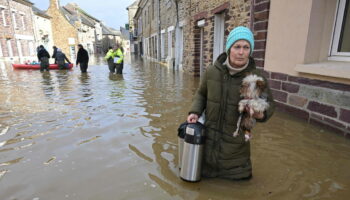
{"x":67,"y":135}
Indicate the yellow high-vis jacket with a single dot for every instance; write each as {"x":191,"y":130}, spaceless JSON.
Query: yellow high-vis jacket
{"x":109,"y":54}
{"x":118,"y":56}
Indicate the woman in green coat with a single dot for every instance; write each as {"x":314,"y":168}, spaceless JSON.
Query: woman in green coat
{"x":218,"y":96}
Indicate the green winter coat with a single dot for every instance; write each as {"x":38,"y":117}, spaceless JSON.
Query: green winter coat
{"x":218,"y":95}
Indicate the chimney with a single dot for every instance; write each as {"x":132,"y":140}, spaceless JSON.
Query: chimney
{"x":55,"y":3}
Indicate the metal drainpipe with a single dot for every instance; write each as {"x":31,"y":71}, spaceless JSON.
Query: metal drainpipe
{"x":159,"y":27}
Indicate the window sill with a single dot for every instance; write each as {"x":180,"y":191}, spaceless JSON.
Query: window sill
{"x":329,"y":69}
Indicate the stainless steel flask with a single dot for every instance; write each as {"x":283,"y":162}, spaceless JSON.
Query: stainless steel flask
{"x":181,"y":132}
{"x":192,"y":152}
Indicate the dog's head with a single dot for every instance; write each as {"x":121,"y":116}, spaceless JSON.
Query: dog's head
{"x":252,"y":86}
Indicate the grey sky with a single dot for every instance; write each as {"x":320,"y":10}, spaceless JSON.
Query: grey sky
{"x":112,"y":13}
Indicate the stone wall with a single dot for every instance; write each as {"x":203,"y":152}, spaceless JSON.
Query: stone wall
{"x":6,"y":30}
{"x":323,"y":103}
{"x":20,"y":36}
{"x":236,"y":13}
{"x":61,"y":29}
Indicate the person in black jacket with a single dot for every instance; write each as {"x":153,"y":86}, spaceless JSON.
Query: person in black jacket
{"x":43,"y":58}
{"x":82,"y":58}
{"x":54,"y":53}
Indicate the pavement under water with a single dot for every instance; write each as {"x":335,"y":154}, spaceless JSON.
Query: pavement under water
{"x":67,"y":135}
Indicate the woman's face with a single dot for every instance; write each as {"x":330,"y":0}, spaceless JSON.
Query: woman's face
{"x":239,"y":53}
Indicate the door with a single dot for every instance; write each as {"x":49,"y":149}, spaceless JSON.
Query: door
{"x":219,"y":28}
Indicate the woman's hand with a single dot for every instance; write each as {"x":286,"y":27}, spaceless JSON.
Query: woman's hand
{"x":253,"y":113}
{"x":192,"y":118}
{"x":258,"y":115}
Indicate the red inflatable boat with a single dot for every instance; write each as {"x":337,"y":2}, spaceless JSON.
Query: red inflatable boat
{"x":37,"y":66}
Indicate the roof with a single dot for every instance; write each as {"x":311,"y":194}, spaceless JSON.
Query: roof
{"x":25,"y":2}
{"x":39,"y":12}
{"x":135,"y":5}
{"x":73,"y":16}
{"x":109,"y":31}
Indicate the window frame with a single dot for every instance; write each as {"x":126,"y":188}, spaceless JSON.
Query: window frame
{"x":3,"y":10}
{"x":339,"y":18}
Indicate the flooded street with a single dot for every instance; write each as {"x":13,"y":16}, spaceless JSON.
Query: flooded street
{"x":67,"y":135}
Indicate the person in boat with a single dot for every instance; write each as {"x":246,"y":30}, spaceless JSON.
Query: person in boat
{"x":43,"y":58}
{"x":61,"y":58}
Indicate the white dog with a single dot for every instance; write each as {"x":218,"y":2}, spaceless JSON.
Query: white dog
{"x":252,"y":102}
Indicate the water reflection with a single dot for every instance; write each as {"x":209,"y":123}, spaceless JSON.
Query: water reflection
{"x":117,"y":134}
{"x":85,"y":87}
{"x":47,"y":84}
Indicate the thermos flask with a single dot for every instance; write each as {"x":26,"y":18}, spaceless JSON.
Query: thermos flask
{"x":192,"y":152}
{"x":181,"y":132}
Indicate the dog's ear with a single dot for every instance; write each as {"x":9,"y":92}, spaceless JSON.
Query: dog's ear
{"x":244,"y":88}
{"x":261,"y":85}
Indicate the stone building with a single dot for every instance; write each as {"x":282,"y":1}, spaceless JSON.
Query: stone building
{"x":302,"y":47}
{"x":7,"y":41}
{"x":158,"y":25}
{"x":16,"y":33}
{"x":110,"y":37}
{"x":65,"y":35}
{"x":149,"y":28}
{"x":307,"y":58}
{"x":209,"y":23}
{"x":42,"y":29}
{"x":131,"y":13}
{"x":137,"y":33}
{"x":85,"y":28}
{"x":172,"y":20}
{"x":89,"y":28}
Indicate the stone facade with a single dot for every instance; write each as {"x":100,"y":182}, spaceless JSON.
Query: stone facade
{"x":65,"y":35}
{"x":16,"y":34}
{"x":84,"y":25}
{"x":323,"y":103}
{"x":131,"y":13}
{"x":6,"y":31}
{"x":235,"y":13}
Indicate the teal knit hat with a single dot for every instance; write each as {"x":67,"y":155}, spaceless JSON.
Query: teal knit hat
{"x":240,"y":33}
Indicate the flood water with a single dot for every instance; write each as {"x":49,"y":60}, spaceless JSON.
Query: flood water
{"x":96,"y":136}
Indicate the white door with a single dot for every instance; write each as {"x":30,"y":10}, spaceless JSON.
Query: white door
{"x":179,"y":49}
{"x":219,"y":28}
{"x":170,"y":45}
{"x":19,"y":47}
{"x":9,"y":48}
{"x":162,"y":46}
{"x":1,"y":55}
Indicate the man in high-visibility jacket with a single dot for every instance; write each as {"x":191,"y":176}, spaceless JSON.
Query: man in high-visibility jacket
{"x":118,"y":58}
{"x":109,"y":58}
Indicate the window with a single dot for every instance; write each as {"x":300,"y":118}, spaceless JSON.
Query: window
{"x":23,"y":22}
{"x":14,"y":19}
{"x":1,"y":55}
{"x":3,"y":15}
{"x":9,"y":48}
{"x":31,"y":48}
{"x":341,"y":35}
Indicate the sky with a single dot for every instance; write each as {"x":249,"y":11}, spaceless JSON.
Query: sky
{"x":112,"y":13}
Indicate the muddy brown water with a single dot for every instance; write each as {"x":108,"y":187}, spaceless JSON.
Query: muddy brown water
{"x":64,"y":135}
